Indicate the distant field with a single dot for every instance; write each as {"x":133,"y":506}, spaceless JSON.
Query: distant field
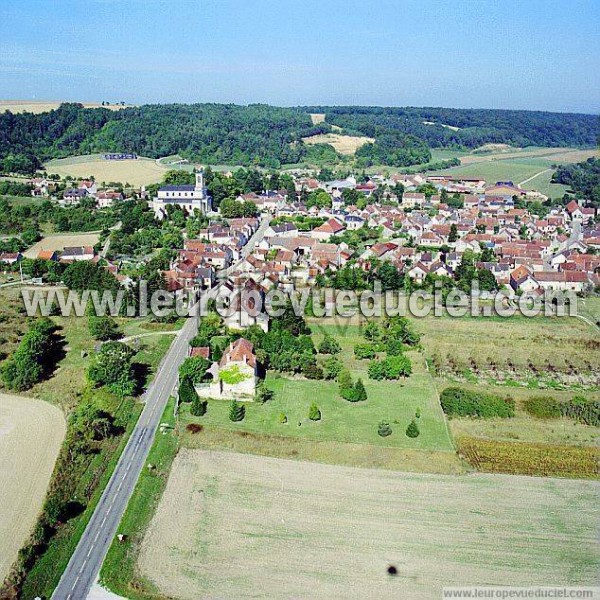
{"x":142,"y":171}
{"x":317,"y":118}
{"x":21,"y":106}
{"x":344,"y":144}
{"x":240,"y":526}
{"x":59,"y":242}
{"x":530,"y":166}
{"x":31,"y":433}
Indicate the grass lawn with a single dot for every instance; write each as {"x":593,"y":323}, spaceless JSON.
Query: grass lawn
{"x":343,"y":421}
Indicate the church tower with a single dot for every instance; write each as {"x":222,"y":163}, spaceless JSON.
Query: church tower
{"x":200,"y":182}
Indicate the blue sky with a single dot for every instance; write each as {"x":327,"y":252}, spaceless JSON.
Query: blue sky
{"x":533,"y":54}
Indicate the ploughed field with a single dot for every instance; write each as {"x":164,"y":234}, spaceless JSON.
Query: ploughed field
{"x":31,"y":433}
{"x":239,"y":526}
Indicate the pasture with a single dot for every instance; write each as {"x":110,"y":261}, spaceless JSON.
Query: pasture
{"x":60,"y":241}
{"x":31,"y":433}
{"x":241,"y":526}
{"x":36,"y":107}
{"x":136,"y":172}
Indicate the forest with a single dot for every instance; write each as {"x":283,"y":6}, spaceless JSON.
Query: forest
{"x":269,"y":136}
{"x":583,"y":178}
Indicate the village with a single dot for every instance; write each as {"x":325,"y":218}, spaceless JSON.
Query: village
{"x":424,"y":235}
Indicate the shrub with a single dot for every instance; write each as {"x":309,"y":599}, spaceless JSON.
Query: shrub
{"x":264,"y":394}
{"x":384,"y":429}
{"x":372,"y":331}
{"x":332,"y":367}
{"x":412,"y":431}
{"x":359,"y":391}
{"x":395,"y":348}
{"x":237,"y":411}
{"x":198,"y":407}
{"x":103,"y":328}
{"x":542,"y":407}
{"x":418,"y":413}
{"x":583,"y":410}
{"x":465,"y":403}
{"x":329,"y":345}
{"x":312,"y":372}
{"x":187,"y":391}
{"x":391,"y":367}
{"x":364,"y":351}
{"x":314,"y":414}
{"x":283,"y":418}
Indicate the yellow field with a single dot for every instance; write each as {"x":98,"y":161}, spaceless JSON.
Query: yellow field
{"x":558,"y":155}
{"x":317,"y":118}
{"x":60,"y":241}
{"x":31,"y":432}
{"x":344,"y":144}
{"x":142,"y":171}
{"x":21,"y":106}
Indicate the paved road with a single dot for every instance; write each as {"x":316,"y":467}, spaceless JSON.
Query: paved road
{"x":87,"y":559}
{"x":84,"y":566}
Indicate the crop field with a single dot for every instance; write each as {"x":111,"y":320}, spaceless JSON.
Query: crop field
{"x":517,"y":347}
{"x":59,"y":242}
{"x":31,"y":433}
{"x":240,"y":526}
{"x":344,"y":144}
{"x":136,"y":172}
{"x":21,"y":106}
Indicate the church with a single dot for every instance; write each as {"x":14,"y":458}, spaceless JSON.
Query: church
{"x":188,"y":197}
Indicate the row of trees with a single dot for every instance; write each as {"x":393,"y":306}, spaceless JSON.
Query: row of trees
{"x":35,"y":357}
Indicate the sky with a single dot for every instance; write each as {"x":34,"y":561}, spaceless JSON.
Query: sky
{"x":525,"y":54}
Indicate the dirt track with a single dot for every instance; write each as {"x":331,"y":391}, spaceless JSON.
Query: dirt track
{"x":241,"y":526}
{"x":31,"y":433}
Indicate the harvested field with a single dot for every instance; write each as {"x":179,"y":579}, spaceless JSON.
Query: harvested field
{"x":61,"y":241}
{"x":344,"y":144}
{"x":31,"y":433}
{"x":136,"y":172}
{"x":239,"y":526}
{"x":21,"y":106}
{"x":317,"y":118}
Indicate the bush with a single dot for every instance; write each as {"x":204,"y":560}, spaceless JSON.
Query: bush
{"x":187,"y":391}
{"x":542,"y":407}
{"x":360,"y":393}
{"x":412,"y":431}
{"x":198,"y":407}
{"x":194,"y":427}
{"x":314,"y":414}
{"x":264,"y":394}
{"x":237,"y":411}
{"x":329,"y":345}
{"x":195,"y":368}
{"x":312,"y":372}
{"x":465,"y":403}
{"x":384,"y":429}
{"x":332,"y":366}
{"x":391,"y":367}
{"x":395,"y":348}
{"x":583,"y":410}
{"x":283,"y":418}
{"x":364,"y":351}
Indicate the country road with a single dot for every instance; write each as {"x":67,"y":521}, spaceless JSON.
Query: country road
{"x":86,"y":561}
